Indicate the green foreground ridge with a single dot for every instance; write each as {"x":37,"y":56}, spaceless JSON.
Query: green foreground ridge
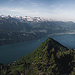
{"x":50,"y":58}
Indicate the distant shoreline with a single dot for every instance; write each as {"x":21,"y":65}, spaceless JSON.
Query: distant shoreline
{"x":60,"y":33}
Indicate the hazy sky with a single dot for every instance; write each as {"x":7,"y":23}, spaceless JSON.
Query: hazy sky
{"x":54,"y":9}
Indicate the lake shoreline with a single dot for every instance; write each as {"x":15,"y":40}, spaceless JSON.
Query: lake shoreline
{"x":61,"y":33}
{"x":18,"y":50}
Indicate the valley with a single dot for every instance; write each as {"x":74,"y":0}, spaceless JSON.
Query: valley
{"x":21,"y":29}
{"x":21,"y":51}
{"x":37,"y":37}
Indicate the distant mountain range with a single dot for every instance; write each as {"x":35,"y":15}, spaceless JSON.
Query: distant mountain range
{"x":25,"y":18}
{"x":50,"y":58}
{"x":30,"y":28}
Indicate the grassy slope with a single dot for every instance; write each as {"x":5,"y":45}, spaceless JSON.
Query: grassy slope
{"x":49,"y":43}
{"x":50,"y":58}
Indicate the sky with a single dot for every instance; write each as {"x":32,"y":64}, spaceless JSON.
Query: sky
{"x":53,"y":9}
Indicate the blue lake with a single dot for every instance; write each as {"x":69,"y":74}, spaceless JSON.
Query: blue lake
{"x":9,"y":53}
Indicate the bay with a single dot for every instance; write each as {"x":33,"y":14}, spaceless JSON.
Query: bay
{"x":12,"y":52}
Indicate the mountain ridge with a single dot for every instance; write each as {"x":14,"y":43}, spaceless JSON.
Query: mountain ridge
{"x":49,"y":44}
{"x":50,"y":58}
